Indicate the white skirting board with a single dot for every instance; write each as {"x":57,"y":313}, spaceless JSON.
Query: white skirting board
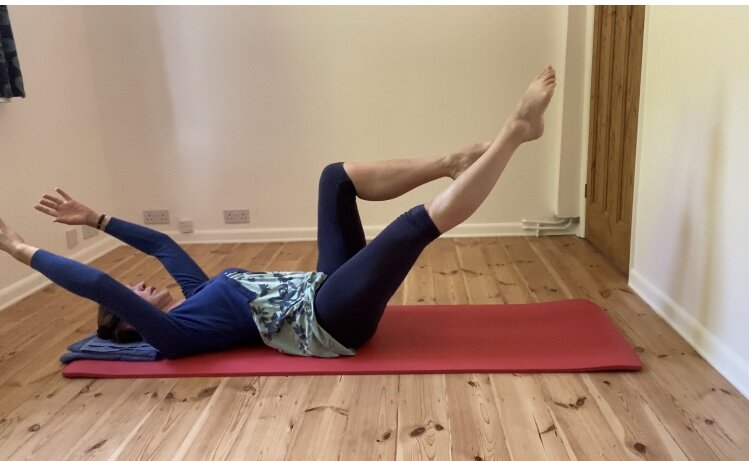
{"x":301,"y":234}
{"x":35,"y":282}
{"x":724,"y":359}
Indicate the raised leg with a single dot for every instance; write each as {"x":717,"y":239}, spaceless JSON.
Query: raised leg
{"x":387,"y":179}
{"x":352,"y":300}
{"x":463,"y":197}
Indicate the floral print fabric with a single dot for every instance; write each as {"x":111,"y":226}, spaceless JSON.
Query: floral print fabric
{"x":284,"y":313}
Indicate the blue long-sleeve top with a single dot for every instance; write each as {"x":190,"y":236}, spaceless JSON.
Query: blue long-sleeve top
{"x":214,"y":316}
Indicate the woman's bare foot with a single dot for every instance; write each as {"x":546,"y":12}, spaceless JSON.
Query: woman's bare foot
{"x":459,"y":161}
{"x":528,"y":119}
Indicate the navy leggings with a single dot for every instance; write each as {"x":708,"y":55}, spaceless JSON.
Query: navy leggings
{"x":361,"y":278}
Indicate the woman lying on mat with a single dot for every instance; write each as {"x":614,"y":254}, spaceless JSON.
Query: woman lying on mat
{"x":325,"y":313}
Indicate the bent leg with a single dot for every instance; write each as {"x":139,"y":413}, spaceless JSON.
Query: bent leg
{"x":339,"y":229}
{"x":157,"y":328}
{"x":388,"y":179}
{"x":350,"y":303}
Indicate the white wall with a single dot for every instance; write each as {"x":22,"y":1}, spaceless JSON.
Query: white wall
{"x":199,"y":109}
{"x":208,"y":108}
{"x":690,"y":251}
{"x":51,"y":138}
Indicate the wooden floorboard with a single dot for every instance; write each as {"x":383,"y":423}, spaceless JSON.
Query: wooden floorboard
{"x":677,"y":408}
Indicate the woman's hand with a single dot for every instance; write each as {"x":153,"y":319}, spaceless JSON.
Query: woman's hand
{"x":66,"y":210}
{"x":9,"y":240}
{"x":13,"y":244}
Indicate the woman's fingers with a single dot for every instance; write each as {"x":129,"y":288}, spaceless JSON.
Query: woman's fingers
{"x":52,"y":198}
{"x":63,"y":194}
{"x":49,"y":203}
{"x":45,"y":210}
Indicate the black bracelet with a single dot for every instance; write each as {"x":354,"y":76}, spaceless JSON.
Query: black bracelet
{"x":101,"y":220}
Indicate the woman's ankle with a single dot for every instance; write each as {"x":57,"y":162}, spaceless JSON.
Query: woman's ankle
{"x":457,"y":162}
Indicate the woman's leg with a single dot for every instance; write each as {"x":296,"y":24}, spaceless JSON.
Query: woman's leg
{"x":463,"y":197}
{"x":387,"y":179}
{"x":350,"y":303}
{"x":339,"y":230}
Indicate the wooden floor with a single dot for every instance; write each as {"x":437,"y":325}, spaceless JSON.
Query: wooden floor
{"x":677,"y":408}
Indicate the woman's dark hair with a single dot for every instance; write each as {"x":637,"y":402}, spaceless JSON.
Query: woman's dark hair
{"x":115,"y":329}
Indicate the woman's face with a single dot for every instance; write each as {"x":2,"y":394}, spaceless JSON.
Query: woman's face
{"x":159,"y":298}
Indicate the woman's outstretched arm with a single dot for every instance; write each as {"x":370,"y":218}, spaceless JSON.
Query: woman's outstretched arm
{"x":181,"y":267}
{"x":158,"y":328}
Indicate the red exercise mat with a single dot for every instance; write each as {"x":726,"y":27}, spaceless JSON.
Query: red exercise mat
{"x":560,"y":336}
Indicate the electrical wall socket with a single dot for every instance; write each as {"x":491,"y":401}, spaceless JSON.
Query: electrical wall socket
{"x":72,"y":238}
{"x":186,"y":226}
{"x":89,"y":232}
{"x":236,"y":216}
{"x":156,"y":216}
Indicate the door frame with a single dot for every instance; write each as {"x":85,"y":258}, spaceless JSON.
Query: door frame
{"x":584,"y":145}
{"x":638,"y":142}
{"x":586,"y":126}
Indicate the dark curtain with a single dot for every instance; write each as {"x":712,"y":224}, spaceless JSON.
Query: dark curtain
{"x":11,"y":82}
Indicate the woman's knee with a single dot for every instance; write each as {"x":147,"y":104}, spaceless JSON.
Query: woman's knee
{"x":334,"y":181}
{"x":421,"y":219}
{"x":445,"y":214}
{"x":333,"y":172}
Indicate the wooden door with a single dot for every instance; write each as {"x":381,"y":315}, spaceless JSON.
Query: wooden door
{"x":615,"y":95}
